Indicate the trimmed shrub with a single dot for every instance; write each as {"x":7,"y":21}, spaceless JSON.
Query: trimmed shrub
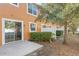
{"x":40,"y":36}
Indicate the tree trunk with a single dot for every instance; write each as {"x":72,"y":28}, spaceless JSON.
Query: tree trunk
{"x":65,"y":33}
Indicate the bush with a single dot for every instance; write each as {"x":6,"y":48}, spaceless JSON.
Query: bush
{"x":40,"y":36}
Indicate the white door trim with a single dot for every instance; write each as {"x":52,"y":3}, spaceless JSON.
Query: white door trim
{"x":3,"y":30}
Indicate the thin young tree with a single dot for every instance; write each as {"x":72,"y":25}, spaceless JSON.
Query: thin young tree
{"x":61,"y":14}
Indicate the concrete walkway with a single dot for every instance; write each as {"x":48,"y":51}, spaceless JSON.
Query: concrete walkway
{"x":19,"y":48}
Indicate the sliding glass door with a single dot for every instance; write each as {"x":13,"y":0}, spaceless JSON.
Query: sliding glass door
{"x":9,"y":31}
{"x":13,"y":31}
{"x":18,"y":31}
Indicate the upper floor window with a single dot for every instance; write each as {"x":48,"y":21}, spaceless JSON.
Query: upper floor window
{"x":15,"y":4}
{"x":32,"y":9}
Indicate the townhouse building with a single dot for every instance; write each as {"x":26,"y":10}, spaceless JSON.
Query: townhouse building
{"x":17,"y":20}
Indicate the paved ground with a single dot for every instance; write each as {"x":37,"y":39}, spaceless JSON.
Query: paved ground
{"x":19,"y":48}
{"x":58,"y":49}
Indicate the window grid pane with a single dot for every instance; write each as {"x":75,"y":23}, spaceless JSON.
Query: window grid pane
{"x":32,"y":27}
{"x":32,"y":9}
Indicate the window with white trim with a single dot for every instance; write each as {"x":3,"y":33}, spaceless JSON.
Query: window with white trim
{"x":32,"y":27}
{"x":32,"y":9}
{"x":44,"y":26}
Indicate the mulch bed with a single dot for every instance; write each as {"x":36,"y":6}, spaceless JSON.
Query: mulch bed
{"x":56,"y":48}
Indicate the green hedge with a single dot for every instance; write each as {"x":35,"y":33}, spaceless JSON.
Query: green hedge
{"x":40,"y":36}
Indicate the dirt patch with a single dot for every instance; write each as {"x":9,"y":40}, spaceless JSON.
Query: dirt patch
{"x":58,"y":49}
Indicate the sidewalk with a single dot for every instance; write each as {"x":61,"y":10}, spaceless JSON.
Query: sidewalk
{"x":19,"y":48}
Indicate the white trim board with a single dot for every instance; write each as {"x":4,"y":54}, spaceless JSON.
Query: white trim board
{"x":14,"y":4}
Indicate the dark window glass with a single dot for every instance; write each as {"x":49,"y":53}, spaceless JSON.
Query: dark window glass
{"x":32,"y":27}
{"x":30,"y":8}
{"x":15,"y":3}
{"x":44,"y":26}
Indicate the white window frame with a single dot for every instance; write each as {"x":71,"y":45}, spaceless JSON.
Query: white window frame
{"x":31,"y":13}
{"x":3,"y":30}
{"x":43,"y":25}
{"x":15,"y":5}
{"x":35,"y":27}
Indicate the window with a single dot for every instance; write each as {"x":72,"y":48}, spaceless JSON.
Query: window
{"x":15,"y":4}
{"x":32,"y":27}
{"x":44,"y":26}
{"x":32,"y":9}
